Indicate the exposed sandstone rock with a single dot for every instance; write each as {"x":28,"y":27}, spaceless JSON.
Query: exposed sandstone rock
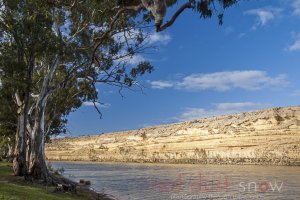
{"x":263,"y":137}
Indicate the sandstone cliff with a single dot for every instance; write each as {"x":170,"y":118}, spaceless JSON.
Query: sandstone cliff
{"x":269,"y":136}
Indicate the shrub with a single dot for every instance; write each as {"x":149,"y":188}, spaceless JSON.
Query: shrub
{"x":84,"y":182}
{"x":81,"y":181}
{"x":144,"y":136}
{"x":49,"y":166}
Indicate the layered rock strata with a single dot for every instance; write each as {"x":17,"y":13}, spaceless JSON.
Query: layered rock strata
{"x":269,"y":136}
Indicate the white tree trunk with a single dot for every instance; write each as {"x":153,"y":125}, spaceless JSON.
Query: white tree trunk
{"x":37,"y":163}
{"x":37,"y":167}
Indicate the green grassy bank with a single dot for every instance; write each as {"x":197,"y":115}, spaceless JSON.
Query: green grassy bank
{"x":15,"y":188}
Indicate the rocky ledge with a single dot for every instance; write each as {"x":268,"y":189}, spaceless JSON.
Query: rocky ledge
{"x":270,"y":137}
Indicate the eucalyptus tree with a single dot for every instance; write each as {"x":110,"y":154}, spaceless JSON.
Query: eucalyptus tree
{"x":54,"y":44}
{"x":64,"y":49}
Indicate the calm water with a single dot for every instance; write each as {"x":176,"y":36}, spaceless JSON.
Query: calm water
{"x":160,"y":181}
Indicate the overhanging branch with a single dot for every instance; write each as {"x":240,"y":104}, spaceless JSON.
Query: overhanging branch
{"x":111,"y":26}
{"x":187,"y":5}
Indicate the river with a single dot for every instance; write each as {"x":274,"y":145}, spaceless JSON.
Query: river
{"x":166,"y":181}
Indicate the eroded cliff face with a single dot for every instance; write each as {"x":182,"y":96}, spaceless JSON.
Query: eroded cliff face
{"x":264,"y":137}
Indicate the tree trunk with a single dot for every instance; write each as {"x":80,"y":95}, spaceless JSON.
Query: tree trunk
{"x":19,"y":160}
{"x":37,"y":167}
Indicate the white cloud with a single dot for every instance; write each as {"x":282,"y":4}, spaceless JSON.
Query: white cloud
{"x":236,"y":106}
{"x":220,"y":109}
{"x":102,"y":105}
{"x":161,"y":84}
{"x":161,"y":38}
{"x":193,"y":113}
{"x":296,"y":7}
{"x":223,"y":81}
{"x":151,"y":39}
{"x":264,"y":15}
{"x":133,"y":60}
{"x":295,"y":46}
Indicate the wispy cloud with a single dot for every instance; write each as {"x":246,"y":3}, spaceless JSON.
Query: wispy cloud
{"x":296,"y":93}
{"x":296,"y":7}
{"x":241,"y":35}
{"x":158,"y":38}
{"x":153,"y":38}
{"x":161,"y":38}
{"x":161,"y":84}
{"x":224,"y":81}
{"x":263,"y":15}
{"x":220,"y":109}
{"x":228,"y":30}
{"x":295,"y":46}
{"x":102,"y":105}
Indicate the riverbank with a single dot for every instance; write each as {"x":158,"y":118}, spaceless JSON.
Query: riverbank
{"x":265,"y":137}
{"x":16,"y":188}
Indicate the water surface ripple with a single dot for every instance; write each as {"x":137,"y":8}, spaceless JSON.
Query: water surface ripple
{"x":166,"y":181}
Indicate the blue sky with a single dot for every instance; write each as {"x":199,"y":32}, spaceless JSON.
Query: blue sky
{"x":251,"y":62}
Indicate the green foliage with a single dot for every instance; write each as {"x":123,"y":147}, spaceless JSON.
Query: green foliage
{"x":50,"y":167}
{"x":206,"y":8}
{"x":29,"y":45}
{"x":8,"y":121}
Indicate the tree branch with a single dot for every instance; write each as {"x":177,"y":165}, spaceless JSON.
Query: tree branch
{"x":187,"y":5}
{"x":111,"y":26}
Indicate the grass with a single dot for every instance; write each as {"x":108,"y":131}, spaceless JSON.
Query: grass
{"x":16,"y":188}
